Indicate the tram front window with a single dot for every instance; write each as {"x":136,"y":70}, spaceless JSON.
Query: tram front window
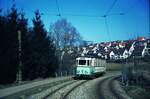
{"x":82,"y":62}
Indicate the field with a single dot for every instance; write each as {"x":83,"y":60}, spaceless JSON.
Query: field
{"x":137,"y":92}
{"x":114,"y":66}
{"x":143,"y":66}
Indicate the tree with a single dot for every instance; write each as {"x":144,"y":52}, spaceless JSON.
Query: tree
{"x":64,"y":34}
{"x":9,"y":46}
{"x":38,"y":54}
{"x":66,"y":38}
{"x":43,"y":50}
{"x":3,"y":48}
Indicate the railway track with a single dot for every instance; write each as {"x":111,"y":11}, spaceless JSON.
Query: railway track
{"x":66,"y":90}
{"x":65,"y":96}
{"x":103,"y":87}
{"x":63,"y":91}
{"x":50,"y":90}
{"x":34,"y":90}
{"x":107,"y":89}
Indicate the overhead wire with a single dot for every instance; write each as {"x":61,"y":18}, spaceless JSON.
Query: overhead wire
{"x":111,"y":7}
{"x":128,"y":11}
{"x":82,"y":15}
{"x":92,"y":16}
{"x":105,"y":17}
{"x":107,"y":28}
{"x":98,"y":16}
{"x":58,"y":9}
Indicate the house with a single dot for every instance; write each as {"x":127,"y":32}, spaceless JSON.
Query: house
{"x":146,"y":50}
{"x":118,"y":54}
{"x":125,"y":54}
{"x":139,"y":49}
{"x":130,"y":47}
{"x":122,"y":44}
{"x":122,"y":53}
{"x":103,"y":55}
{"x":117,"y":50}
{"x":141,"y":38}
{"x":112,"y":55}
{"x":106,"y":48}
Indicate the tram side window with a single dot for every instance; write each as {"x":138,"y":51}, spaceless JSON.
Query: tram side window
{"x":82,"y":62}
{"x":92,"y":63}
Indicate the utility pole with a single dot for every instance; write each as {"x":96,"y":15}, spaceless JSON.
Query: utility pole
{"x":19,"y":72}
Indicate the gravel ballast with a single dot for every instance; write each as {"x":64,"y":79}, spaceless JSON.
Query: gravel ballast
{"x":12,"y":90}
{"x":90,"y":89}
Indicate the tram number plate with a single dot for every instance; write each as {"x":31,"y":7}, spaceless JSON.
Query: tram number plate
{"x":82,"y":71}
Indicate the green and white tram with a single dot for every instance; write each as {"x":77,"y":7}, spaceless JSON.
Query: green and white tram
{"x":89,"y":66}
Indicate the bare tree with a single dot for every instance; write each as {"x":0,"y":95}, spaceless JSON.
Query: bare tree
{"x":66,"y":38}
{"x":64,"y":34}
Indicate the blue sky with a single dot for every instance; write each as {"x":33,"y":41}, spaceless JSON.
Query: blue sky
{"x":86,"y":16}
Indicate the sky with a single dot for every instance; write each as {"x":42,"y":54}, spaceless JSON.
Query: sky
{"x":87,"y":16}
